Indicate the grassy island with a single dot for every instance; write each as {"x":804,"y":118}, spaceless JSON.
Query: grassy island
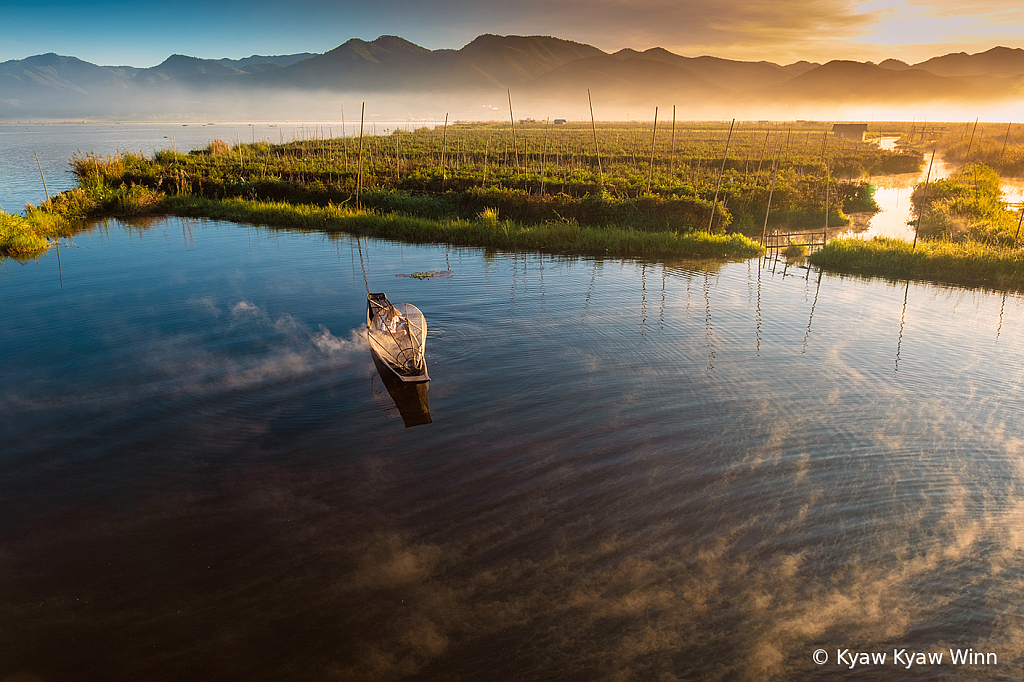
{"x":628,"y":189}
{"x":967,"y":235}
{"x":622,"y":189}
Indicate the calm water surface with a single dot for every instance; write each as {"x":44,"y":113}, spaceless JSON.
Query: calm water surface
{"x":633,"y":471}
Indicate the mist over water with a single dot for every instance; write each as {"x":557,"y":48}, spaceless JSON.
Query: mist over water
{"x":634,"y":470}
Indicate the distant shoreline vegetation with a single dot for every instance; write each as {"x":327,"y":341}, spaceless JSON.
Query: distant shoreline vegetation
{"x":967,"y":236}
{"x":698,"y":181}
{"x":611,"y":189}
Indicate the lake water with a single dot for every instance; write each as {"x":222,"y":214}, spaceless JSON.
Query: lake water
{"x":633,"y":471}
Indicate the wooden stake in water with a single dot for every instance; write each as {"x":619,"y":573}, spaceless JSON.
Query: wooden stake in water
{"x":487,"y":155}
{"x":444,"y":143}
{"x":60,"y":269}
{"x":967,"y":156}
{"x":512,"y":118}
{"x":654,"y":137}
{"x":924,"y":197}
{"x":672,"y":145}
{"x":40,"y":167}
{"x":344,"y":137}
{"x":544,"y":156}
{"x":827,"y":177}
{"x":721,"y":172}
{"x":359,"y":171}
{"x":398,"y":158}
{"x":597,"y":148}
{"x":775,"y":172}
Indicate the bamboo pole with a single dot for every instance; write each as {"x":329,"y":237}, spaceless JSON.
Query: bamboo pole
{"x":1005,"y":140}
{"x":672,"y":144}
{"x":654,"y":137}
{"x":924,"y":197}
{"x":1018,"y":225}
{"x":515,"y":149}
{"x":444,"y":143}
{"x":359,"y":172}
{"x":544,"y":157}
{"x":60,"y":269}
{"x":40,"y":167}
{"x":597,"y":148}
{"x":827,"y":177}
{"x":344,"y":138}
{"x":967,"y":156}
{"x":771,"y":192}
{"x":721,"y":172}
{"x":487,"y":154}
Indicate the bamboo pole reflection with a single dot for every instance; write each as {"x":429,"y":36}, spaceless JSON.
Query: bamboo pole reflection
{"x":710,"y":331}
{"x":903,"y":319}
{"x":810,"y":319}
{"x":1002,"y":307}
{"x":643,"y":302}
{"x":757,"y":313}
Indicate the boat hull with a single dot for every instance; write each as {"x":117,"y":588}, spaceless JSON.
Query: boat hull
{"x":398,"y":350}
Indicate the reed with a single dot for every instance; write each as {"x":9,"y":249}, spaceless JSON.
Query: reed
{"x":22,"y":236}
{"x":968,"y":262}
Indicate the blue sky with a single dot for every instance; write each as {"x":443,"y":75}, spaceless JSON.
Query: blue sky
{"x":783,"y":31}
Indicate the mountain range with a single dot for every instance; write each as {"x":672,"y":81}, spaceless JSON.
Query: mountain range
{"x":542,"y":73}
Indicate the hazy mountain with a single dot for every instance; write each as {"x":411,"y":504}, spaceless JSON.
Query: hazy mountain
{"x":894,"y":65}
{"x":58,"y":73}
{"x":797,"y":68}
{"x":999,"y":61}
{"x":178,"y":66}
{"x":259,"y":62}
{"x":392,"y":64}
{"x":612,"y":78}
{"x":725,"y":73}
{"x":840,"y":80}
{"x":403,"y":78}
{"x":511,"y":60}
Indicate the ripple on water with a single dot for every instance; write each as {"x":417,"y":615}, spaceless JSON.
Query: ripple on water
{"x":632,"y":470}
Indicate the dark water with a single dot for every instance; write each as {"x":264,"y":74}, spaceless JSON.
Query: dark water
{"x":634,"y":471}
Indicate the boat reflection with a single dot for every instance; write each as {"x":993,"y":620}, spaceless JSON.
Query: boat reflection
{"x":410,"y":398}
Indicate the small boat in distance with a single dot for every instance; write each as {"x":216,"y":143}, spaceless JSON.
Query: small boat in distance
{"x":398,"y":336}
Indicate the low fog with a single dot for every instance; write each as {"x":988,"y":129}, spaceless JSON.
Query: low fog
{"x":174,"y":103}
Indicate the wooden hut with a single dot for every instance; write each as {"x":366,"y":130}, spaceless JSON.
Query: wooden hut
{"x":850,"y":131}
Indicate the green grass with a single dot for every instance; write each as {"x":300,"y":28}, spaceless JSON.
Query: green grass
{"x":966,"y":207}
{"x":544,"y":173}
{"x":969,"y":263}
{"x":485,"y":230}
{"x":29,"y":235}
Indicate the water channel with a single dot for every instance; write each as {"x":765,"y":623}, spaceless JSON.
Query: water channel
{"x":632,"y":470}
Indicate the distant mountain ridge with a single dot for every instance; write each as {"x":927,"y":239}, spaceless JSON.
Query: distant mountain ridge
{"x":541,"y":68}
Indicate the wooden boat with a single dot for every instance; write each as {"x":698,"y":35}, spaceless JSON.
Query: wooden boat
{"x":398,"y":336}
